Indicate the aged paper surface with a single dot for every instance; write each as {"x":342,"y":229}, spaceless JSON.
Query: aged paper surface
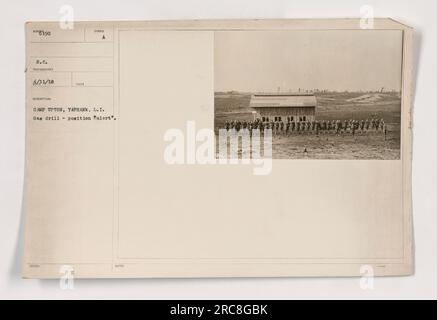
{"x":120,"y":181}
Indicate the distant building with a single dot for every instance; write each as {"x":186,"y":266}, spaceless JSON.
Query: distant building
{"x":291,"y":107}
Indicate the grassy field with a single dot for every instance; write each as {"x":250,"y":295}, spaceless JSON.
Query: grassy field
{"x":331,"y":106}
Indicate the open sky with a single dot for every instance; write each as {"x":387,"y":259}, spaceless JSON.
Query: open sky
{"x":263,"y":61}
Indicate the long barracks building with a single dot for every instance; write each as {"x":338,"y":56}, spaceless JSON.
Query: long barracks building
{"x":292,"y":107}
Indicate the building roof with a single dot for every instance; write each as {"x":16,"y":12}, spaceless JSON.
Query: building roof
{"x":293,"y":100}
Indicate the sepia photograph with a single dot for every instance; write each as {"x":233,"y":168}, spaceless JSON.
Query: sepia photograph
{"x":332,"y":94}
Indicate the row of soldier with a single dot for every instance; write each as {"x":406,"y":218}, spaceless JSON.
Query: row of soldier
{"x":323,"y":126}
